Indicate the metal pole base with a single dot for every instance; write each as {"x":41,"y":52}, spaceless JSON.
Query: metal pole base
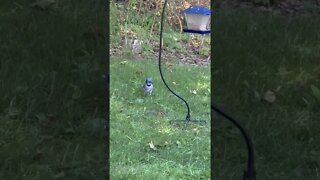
{"x":200,"y":122}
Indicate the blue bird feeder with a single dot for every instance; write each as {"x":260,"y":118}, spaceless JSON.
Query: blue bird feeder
{"x":198,"y":19}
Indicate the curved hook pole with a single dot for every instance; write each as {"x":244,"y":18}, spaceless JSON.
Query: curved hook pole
{"x":250,"y":174}
{"x":188,"y":117}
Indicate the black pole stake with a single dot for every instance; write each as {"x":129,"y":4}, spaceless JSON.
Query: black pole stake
{"x":188,"y":116}
{"x":250,"y":173}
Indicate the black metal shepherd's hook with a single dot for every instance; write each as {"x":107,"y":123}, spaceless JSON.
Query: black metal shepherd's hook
{"x":250,"y":174}
{"x":188,"y":116}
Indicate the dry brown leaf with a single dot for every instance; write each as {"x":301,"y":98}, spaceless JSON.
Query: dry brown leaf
{"x":269,"y":96}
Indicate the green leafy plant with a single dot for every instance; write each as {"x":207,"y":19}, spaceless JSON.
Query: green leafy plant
{"x":205,"y":51}
{"x":114,"y":22}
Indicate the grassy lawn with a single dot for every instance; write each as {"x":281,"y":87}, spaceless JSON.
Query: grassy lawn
{"x":138,"y":121}
{"x":254,"y":53}
{"x":266,"y":72}
{"x":52,"y":98}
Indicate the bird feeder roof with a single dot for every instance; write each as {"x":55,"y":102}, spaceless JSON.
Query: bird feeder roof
{"x":197,"y":10}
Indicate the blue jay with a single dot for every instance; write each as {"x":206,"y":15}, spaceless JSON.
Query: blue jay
{"x":148,"y":86}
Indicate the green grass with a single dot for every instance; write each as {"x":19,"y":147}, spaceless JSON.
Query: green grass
{"x":183,"y":152}
{"x":258,"y":52}
{"x":52,"y":99}
{"x":52,"y":102}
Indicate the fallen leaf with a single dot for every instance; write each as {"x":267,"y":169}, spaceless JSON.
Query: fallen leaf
{"x":269,"y":96}
{"x":151,"y":145}
{"x":123,"y":62}
{"x":194,"y":92}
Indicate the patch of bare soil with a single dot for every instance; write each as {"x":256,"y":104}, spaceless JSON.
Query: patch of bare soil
{"x":188,"y":54}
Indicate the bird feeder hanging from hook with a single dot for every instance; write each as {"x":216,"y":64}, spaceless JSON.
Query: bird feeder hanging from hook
{"x":197,"y":19}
